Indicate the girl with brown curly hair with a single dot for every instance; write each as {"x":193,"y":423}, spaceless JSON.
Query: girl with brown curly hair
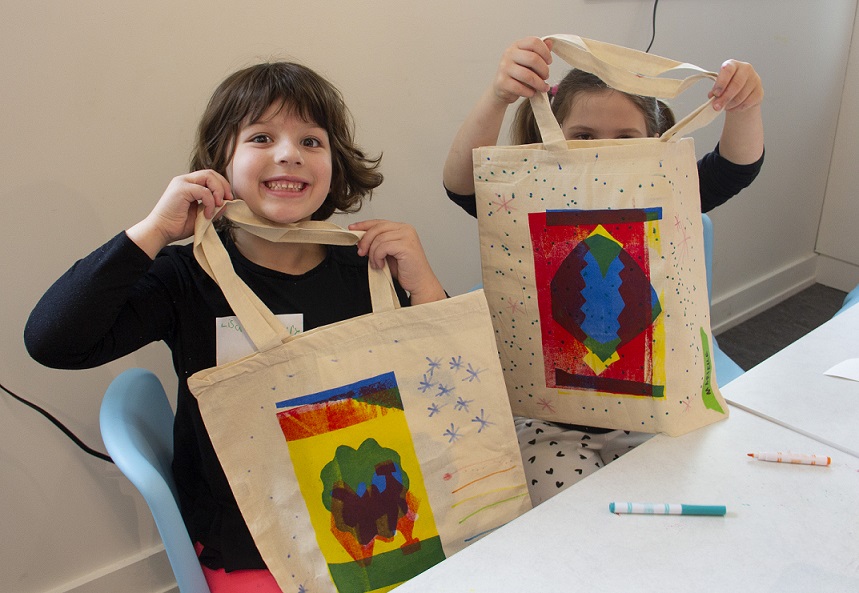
{"x":279,"y":137}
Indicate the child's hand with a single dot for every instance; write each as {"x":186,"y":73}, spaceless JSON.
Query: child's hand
{"x":739,"y":92}
{"x":523,"y":70}
{"x":399,"y":244}
{"x":176,"y":211}
{"x":174,"y":215}
{"x":737,"y":88}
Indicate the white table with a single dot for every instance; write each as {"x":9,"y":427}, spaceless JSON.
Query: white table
{"x":788,"y":529}
{"x":790,"y":388}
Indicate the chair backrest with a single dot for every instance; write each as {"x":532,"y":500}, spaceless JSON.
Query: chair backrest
{"x":726,"y":369}
{"x":851,"y":299}
{"x":708,"y":252}
{"x":136,"y":423}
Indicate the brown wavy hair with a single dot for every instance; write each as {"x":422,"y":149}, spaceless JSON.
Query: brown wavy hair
{"x":524,"y":130}
{"x":243,"y":98}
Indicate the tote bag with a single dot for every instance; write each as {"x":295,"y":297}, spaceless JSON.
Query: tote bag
{"x":593,"y":263}
{"x":363,"y":452}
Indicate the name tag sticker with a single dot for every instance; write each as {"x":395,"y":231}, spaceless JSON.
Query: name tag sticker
{"x":232,"y":343}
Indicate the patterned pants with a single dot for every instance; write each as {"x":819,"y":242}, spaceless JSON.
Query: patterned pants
{"x":556,"y":456}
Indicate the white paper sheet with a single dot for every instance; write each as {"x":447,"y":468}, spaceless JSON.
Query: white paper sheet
{"x":848,"y":369}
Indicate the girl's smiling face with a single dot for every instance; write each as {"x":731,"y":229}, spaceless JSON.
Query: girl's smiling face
{"x":603,"y":115}
{"x":281,"y":166}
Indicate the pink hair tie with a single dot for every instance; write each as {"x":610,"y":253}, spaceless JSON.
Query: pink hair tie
{"x":553,"y":91}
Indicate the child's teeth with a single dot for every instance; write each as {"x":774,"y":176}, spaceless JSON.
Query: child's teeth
{"x":276,"y":185}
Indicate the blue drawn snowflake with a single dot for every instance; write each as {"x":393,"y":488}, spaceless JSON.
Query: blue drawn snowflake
{"x":462,"y":404}
{"x":303,"y":589}
{"x":444,"y":390}
{"x":426,"y":384}
{"x":473,"y":373}
{"x":452,"y":433}
{"x":455,"y":363}
{"x":484,"y":422}
{"x":434,"y":409}
{"x":433,"y":364}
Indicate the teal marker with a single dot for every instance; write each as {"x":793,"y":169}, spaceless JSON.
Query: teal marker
{"x":648,"y":508}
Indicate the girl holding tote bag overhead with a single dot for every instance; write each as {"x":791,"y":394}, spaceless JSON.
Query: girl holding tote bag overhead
{"x":279,"y":137}
{"x":524,"y":68}
{"x":556,"y":454}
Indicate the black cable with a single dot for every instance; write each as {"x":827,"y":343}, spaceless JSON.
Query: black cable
{"x":653,"y":36}
{"x":60,"y":425}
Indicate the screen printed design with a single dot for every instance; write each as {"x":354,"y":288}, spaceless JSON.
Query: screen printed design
{"x":599,"y":312}
{"x":360,"y":478}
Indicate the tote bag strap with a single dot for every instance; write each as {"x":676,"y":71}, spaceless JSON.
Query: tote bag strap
{"x":627,"y":70}
{"x":260,"y":324}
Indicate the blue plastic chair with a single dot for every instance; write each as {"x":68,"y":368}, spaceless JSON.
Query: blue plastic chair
{"x":851,"y":299}
{"x":136,"y":423}
{"x":726,"y":369}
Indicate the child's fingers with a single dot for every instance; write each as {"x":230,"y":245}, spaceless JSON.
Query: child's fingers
{"x":399,"y":245}
{"x":219,"y":187}
{"x":524,"y":69}
{"x":535,"y":45}
{"x":371,"y":230}
{"x":531,"y":63}
{"x":737,"y":86}
{"x":210,"y":189}
{"x":383,"y":239}
{"x":389,"y":242}
{"x":752,"y":91}
{"x":520,"y":84}
{"x":720,"y":86}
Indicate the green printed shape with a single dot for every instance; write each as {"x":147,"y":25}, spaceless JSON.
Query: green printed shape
{"x":356,"y":468}
{"x":711,"y":402}
{"x":604,"y":250}
{"x":388,"y":568}
{"x":604,"y":350}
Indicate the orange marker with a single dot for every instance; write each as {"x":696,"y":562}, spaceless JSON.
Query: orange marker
{"x":798,"y":458}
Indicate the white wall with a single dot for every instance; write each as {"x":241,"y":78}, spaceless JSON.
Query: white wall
{"x":99,"y":102}
{"x":836,"y":240}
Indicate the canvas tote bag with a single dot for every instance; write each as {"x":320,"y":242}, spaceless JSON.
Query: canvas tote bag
{"x":363,"y":452}
{"x":593,"y":262}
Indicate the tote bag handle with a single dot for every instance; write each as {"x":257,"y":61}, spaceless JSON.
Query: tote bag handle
{"x":627,"y":70}
{"x":260,"y":324}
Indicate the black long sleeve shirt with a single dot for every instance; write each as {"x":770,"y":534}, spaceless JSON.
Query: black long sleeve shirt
{"x":117,"y":300}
